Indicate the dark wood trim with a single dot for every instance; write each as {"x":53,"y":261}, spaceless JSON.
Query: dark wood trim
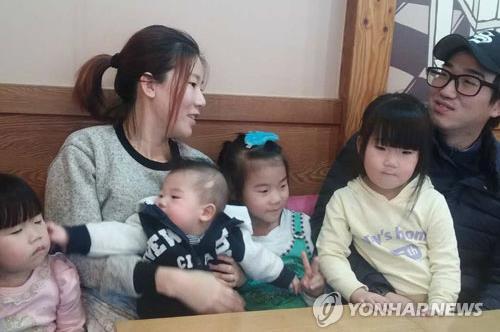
{"x":48,"y":100}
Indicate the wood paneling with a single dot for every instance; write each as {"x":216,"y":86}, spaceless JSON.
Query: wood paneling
{"x":35,"y":121}
{"x":28,"y":143}
{"x":272,"y":109}
{"x":309,"y":149}
{"x":30,"y":99}
{"x":366,"y":53}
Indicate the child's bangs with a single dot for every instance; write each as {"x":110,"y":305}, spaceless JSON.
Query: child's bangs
{"x":400,"y":132}
{"x":17,"y":208}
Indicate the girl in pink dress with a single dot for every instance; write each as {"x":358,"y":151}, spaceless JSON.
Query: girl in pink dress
{"x":38,"y":291}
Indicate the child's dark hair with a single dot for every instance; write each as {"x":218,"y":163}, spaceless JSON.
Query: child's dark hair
{"x":18,"y":202}
{"x":210,"y":185}
{"x":232,"y":162}
{"x":399,"y":120}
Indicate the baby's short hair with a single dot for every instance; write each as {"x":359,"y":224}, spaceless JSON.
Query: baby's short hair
{"x":210,"y":183}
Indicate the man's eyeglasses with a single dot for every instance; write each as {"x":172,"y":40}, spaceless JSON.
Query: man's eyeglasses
{"x":467,"y":85}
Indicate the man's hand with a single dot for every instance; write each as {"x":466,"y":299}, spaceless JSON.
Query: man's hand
{"x":396,"y":298}
{"x":361,"y":295}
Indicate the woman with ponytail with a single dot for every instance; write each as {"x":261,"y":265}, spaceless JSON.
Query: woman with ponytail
{"x":101,"y":172}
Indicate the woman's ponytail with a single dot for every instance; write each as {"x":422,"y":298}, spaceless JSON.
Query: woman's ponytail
{"x":88,"y":93}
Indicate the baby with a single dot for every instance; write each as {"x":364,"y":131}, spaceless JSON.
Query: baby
{"x":185,"y":227}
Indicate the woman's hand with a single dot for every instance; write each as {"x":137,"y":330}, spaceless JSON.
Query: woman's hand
{"x":58,"y":235}
{"x":199,"y":290}
{"x":228,"y":272}
{"x":313,"y":282}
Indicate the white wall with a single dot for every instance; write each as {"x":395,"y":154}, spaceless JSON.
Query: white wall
{"x":254,"y":47}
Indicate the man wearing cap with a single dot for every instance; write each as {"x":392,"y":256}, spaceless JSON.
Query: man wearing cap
{"x":464,"y":105}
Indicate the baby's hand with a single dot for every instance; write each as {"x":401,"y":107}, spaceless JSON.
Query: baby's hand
{"x":295,"y":285}
{"x":57,"y":235}
{"x":361,"y":295}
{"x":228,"y":271}
{"x":313,"y":282}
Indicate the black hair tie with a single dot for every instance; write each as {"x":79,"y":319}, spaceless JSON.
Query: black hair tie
{"x":115,"y":60}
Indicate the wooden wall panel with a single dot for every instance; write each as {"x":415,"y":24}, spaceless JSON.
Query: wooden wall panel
{"x":28,"y":143}
{"x":33,"y":99}
{"x":30,"y":99}
{"x":32,"y":130}
{"x":309,"y":149}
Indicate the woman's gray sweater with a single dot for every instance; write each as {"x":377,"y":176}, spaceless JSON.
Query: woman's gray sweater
{"x":98,"y":176}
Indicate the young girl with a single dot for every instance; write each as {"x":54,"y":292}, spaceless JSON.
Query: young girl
{"x":391,"y":212}
{"x":257,"y":174}
{"x":37,"y":291}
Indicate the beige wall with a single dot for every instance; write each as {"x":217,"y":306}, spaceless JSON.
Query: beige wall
{"x":258,"y":47}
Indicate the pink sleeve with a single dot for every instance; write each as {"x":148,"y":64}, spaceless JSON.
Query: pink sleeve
{"x":70,"y":313}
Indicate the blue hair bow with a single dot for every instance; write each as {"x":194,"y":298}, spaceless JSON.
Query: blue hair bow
{"x":258,"y":138}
